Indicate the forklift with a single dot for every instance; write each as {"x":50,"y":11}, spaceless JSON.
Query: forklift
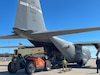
{"x":30,"y":59}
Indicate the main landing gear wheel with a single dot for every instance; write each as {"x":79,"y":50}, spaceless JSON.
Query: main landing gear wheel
{"x":80,"y":63}
{"x":47,"y":65}
{"x":12,"y":68}
{"x":29,"y":68}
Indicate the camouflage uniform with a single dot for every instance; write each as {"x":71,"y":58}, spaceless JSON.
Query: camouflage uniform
{"x":64,"y":64}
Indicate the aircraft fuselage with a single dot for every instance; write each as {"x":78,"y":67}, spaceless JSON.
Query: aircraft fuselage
{"x":58,"y":49}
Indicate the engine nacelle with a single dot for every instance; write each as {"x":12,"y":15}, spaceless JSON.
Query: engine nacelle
{"x":82,"y":55}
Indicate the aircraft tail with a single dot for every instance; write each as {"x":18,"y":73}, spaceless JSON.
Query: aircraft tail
{"x":29,"y":16}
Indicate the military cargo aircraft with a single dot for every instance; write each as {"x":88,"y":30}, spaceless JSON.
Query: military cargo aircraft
{"x":29,"y":24}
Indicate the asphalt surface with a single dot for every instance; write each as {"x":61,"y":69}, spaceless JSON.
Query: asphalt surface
{"x":89,"y":69}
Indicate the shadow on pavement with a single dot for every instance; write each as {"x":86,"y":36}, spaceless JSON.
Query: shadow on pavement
{"x":3,"y":65}
{"x":82,"y":67}
{"x":18,"y":73}
{"x":75,"y":66}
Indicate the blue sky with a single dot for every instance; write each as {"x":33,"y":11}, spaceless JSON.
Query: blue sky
{"x":58,"y":14}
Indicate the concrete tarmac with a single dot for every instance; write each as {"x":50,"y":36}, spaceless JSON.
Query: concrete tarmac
{"x":89,"y":69}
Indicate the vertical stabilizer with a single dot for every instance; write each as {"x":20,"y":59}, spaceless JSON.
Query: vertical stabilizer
{"x":29,"y":16}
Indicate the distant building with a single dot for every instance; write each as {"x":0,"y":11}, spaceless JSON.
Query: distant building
{"x":6,"y":55}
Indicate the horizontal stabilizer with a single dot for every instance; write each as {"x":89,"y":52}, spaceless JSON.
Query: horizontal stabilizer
{"x":23,"y":46}
{"x":13,"y":36}
{"x":63,"y":32}
{"x":45,"y":35}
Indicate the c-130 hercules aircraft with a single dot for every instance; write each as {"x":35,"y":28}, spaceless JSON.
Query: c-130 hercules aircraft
{"x":29,"y":24}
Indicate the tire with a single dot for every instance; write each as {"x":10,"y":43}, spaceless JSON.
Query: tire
{"x":11,"y":68}
{"x":29,"y":67}
{"x":47,"y":65}
{"x":80,"y":63}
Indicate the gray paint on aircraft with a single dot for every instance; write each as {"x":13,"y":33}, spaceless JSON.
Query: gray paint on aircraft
{"x":29,"y":23}
{"x":29,"y":16}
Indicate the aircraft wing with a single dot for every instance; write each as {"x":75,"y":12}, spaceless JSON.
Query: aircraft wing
{"x":87,"y":43}
{"x":12,"y":36}
{"x":63,"y":32}
{"x":94,"y":43}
